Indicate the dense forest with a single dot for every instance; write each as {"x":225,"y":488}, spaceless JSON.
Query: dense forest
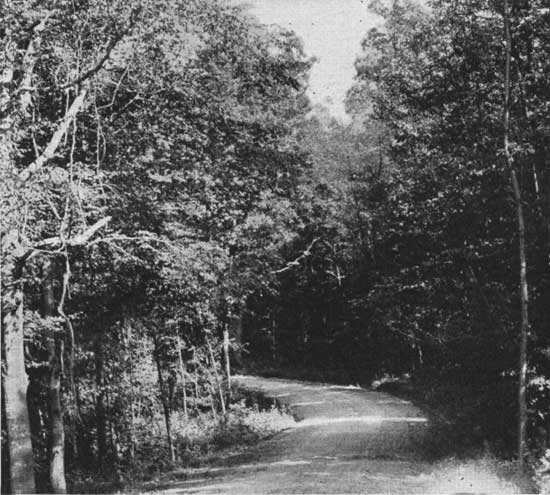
{"x":174,"y":208}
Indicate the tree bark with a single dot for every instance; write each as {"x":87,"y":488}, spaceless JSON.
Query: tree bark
{"x":15,"y":381}
{"x":57,"y":451}
{"x":226,"y":360}
{"x":55,"y":348}
{"x":101,"y":420}
{"x":216,"y":376}
{"x":236,"y":332}
{"x":116,"y":448}
{"x":273,"y":339}
{"x":183,"y":381}
{"x":165,"y":404}
{"x":15,"y":378}
{"x":524,"y":329}
{"x":524,"y":289}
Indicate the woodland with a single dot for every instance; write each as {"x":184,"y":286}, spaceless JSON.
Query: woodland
{"x":174,"y":209}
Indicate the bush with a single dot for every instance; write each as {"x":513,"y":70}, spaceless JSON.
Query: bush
{"x":542,"y":473}
{"x":201,"y":436}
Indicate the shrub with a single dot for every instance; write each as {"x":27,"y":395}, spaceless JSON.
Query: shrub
{"x":200,"y":436}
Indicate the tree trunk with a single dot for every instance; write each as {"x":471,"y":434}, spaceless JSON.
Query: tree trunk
{"x":216,"y":376}
{"x":132,"y":431}
{"x":77,"y":448}
{"x":115,"y":447}
{"x":524,"y":290}
{"x":55,"y":348}
{"x":226,"y":360}
{"x":182,"y":373}
{"x":57,"y":451}
{"x":524,"y":327}
{"x":273,"y":339}
{"x":196,"y":387}
{"x":101,"y":420}
{"x":165,"y":404}
{"x":15,"y":378}
{"x":236,"y":332}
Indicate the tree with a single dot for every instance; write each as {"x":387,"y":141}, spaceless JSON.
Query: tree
{"x":429,"y":77}
{"x":29,"y":33}
{"x":153,"y":135}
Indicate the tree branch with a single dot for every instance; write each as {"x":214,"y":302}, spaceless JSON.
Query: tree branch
{"x":97,"y":66}
{"x":50,"y":150}
{"x":29,"y":61}
{"x":106,"y":54}
{"x":78,"y":240}
{"x":296,"y":262}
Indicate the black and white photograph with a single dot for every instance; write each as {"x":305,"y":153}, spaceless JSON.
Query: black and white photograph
{"x":275,"y":246}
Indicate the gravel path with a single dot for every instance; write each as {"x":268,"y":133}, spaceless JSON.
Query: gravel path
{"x":346,"y":440}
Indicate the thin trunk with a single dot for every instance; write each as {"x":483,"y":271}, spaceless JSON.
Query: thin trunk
{"x":524,"y":328}
{"x":115,"y":446}
{"x":380,"y":159}
{"x":524,"y":292}
{"x":69,"y":325}
{"x":274,"y":339}
{"x":182,"y":373}
{"x":132,"y":429}
{"x":536,"y":180}
{"x":165,"y":404}
{"x":55,"y":348}
{"x":216,"y":376}
{"x":525,"y":113}
{"x":196,"y":386}
{"x":101,"y":422}
{"x":236,"y":331}
{"x":226,"y":360}
{"x":57,"y":450}
{"x":74,"y":426}
{"x":212,"y":406}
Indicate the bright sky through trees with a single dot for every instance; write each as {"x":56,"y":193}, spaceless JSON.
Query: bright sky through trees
{"x":332,"y":31}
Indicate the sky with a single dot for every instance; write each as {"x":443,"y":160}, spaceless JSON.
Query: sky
{"x":332,"y":31}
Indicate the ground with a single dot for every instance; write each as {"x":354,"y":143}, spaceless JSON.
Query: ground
{"x":346,"y":440}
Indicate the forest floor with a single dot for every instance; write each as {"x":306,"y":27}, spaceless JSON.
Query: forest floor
{"x":346,"y":440}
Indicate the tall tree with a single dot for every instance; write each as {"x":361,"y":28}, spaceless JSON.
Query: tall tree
{"x":29,"y":33}
{"x":524,"y":293}
{"x":55,"y":355}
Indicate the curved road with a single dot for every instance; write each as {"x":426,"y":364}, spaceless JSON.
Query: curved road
{"x":346,"y":440}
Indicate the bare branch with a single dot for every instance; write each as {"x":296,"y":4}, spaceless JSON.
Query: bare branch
{"x":141,"y":238}
{"x":297,"y":261}
{"x":29,"y":61}
{"x":50,"y":150}
{"x":106,"y":53}
{"x":79,"y":240}
{"x":97,"y":66}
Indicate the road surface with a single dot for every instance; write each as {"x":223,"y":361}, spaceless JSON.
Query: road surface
{"x":346,"y":440}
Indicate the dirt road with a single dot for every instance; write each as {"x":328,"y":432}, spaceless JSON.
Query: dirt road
{"x":346,"y":440}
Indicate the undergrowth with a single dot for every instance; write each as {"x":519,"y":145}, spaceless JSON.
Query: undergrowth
{"x":470,"y":438}
{"x":198,"y":440}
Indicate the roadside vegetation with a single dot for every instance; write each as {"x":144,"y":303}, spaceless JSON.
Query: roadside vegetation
{"x":199,"y":441}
